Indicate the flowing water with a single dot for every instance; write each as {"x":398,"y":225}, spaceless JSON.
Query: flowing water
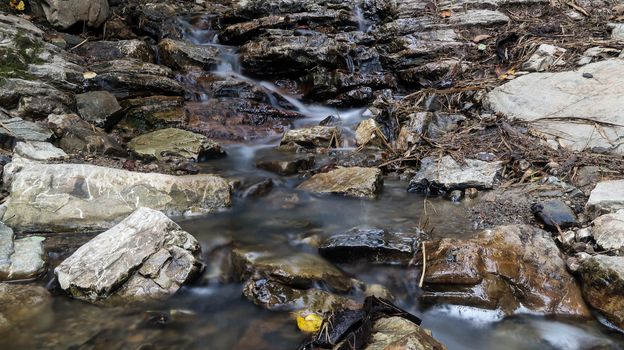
{"x":213,"y":314}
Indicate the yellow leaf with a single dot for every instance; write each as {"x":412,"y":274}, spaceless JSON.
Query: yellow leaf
{"x":309,"y":322}
{"x":17,"y":5}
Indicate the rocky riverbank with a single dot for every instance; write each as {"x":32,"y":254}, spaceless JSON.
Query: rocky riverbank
{"x":350,"y":163}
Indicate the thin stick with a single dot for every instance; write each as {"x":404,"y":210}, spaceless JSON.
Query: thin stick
{"x":424,"y":268}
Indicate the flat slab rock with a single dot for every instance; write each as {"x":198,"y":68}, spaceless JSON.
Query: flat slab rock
{"x":352,"y":182}
{"x":37,"y":150}
{"x":20,"y":259}
{"x":301,"y":270}
{"x":175,"y":142}
{"x":554,"y":214}
{"x":567,"y":107}
{"x":145,"y":257}
{"x":606,"y":197}
{"x":74,"y":197}
{"x":608,"y":231}
{"x":603,"y":286}
{"x":375,"y":245}
{"x":510,"y":268}
{"x":447,"y":174}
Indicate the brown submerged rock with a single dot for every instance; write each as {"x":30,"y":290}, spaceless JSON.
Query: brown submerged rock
{"x":507,"y":268}
{"x":603,"y":286}
{"x":352,"y":182}
{"x":24,"y":306}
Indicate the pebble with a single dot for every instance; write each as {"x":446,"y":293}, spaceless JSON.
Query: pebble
{"x":471,"y":192}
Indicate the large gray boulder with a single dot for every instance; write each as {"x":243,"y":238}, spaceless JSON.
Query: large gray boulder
{"x":66,"y":13}
{"x":578,"y":109}
{"x":145,"y":257}
{"x":73,"y":197}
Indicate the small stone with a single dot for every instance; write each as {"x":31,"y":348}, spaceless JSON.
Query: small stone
{"x":352,"y":182}
{"x":286,"y":165}
{"x":606,"y":197}
{"x":554,"y":214}
{"x":36,"y":150}
{"x":258,"y":189}
{"x":608,"y":231}
{"x":98,"y":107}
{"x":456,"y":196}
{"x":588,"y":75}
{"x":314,"y":137}
{"x":583,"y":234}
{"x":524,"y":165}
{"x":471,"y":192}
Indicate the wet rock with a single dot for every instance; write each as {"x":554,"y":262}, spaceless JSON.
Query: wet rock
{"x":606,"y":197}
{"x":510,"y":268}
{"x":374,"y":245}
{"x":181,"y":55}
{"x":20,"y":259}
{"x":76,"y":135}
{"x":142,"y":115}
{"x":544,"y":57}
{"x":314,"y":137}
{"x":439,"y":124}
{"x":447,"y":175}
{"x":36,"y":150}
{"x":575,"y":108}
{"x":397,"y":333}
{"x":177,"y":143}
{"x":554,"y":214}
{"x":608,"y":231}
{"x":66,"y":13}
{"x":368,"y":133}
{"x":74,"y":197}
{"x":351,"y":182}
{"x":144,"y":257}
{"x":98,"y":107}
{"x":113,"y":50}
{"x":299,"y":270}
{"x":24,"y":306}
{"x":286,"y":165}
{"x":33,"y":99}
{"x":290,"y":55}
{"x":277,"y":296}
{"x":412,"y":131}
{"x":603,"y":286}
{"x":16,"y":129}
{"x":133,"y":78}
{"x":258,"y":189}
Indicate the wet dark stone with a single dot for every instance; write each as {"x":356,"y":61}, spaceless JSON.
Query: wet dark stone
{"x":553,"y":214}
{"x":372,"y":244}
{"x":426,"y":187}
{"x":331,"y":121}
{"x":286,"y":166}
{"x":258,"y":189}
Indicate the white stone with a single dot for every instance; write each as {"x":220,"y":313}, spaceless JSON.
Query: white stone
{"x":576,"y":111}
{"x":453,"y":175}
{"x":36,"y":150}
{"x":606,"y":197}
{"x":544,"y":57}
{"x":608,"y":231}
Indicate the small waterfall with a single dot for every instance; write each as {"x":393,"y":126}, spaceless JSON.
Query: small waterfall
{"x":350,"y":64}
{"x":363,"y":23}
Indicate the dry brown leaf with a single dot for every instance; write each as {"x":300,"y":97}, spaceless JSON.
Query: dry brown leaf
{"x":446,"y":13}
{"x":479,"y":38}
